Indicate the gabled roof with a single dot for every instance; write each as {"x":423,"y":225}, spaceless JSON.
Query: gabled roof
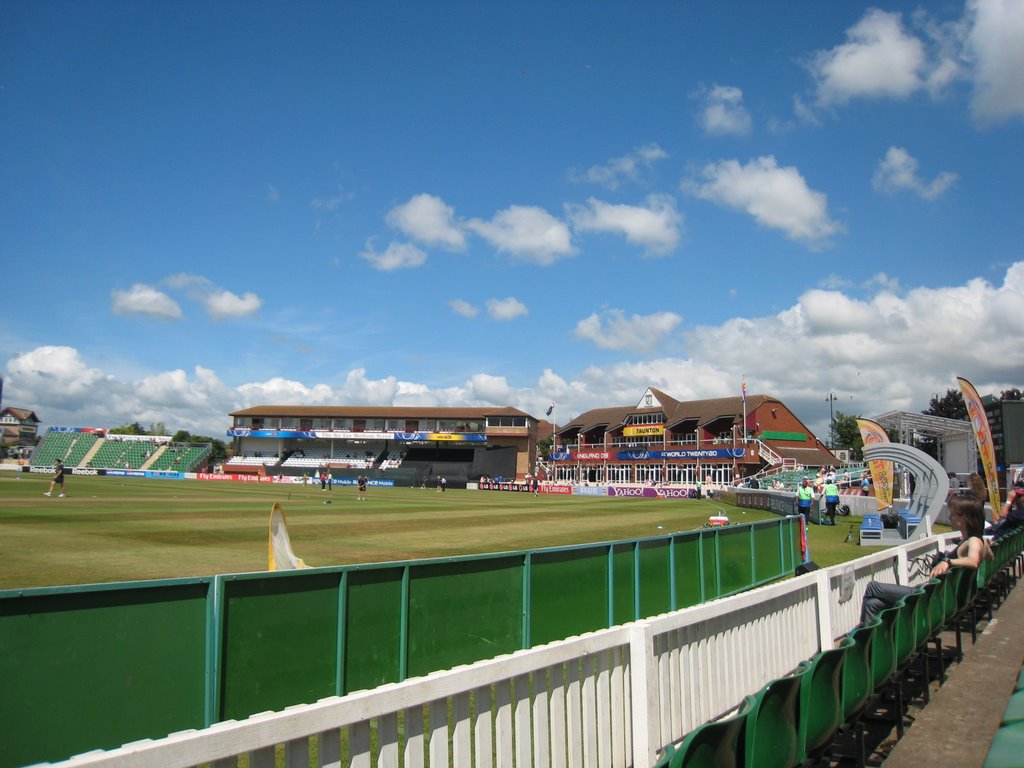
{"x":21,"y":414}
{"x":598,"y":417}
{"x":714,"y":409}
{"x":703,"y":411}
{"x":809,"y":456}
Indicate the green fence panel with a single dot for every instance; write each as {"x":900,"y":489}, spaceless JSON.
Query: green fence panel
{"x":768,"y":554}
{"x":568,"y":593}
{"x":373,"y":628}
{"x":463,"y":611}
{"x":623,"y":583}
{"x":86,"y":668}
{"x":278,"y":641}
{"x":655,"y":580}
{"x":689,"y":570}
{"x":93,"y":667}
{"x":735,"y":553}
{"x":710,"y":576}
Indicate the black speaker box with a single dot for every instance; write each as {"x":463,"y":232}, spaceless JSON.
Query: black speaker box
{"x":806,"y":568}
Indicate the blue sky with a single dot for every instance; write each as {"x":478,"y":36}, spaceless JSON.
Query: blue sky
{"x":207,"y":206}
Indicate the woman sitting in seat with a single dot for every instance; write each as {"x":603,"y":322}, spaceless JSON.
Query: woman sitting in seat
{"x":967,"y":515}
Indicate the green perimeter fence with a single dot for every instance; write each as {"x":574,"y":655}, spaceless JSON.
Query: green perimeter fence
{"x":97,"y":666}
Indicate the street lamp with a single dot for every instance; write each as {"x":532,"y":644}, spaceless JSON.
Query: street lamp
{"x":831,"y":421}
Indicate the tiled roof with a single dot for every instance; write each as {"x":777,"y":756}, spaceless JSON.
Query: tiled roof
{"x":703,"y":411}
{"x":21,"y":414}
{"x":371,"y":412}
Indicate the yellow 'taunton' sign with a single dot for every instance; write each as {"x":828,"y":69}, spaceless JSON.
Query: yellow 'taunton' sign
{"x":646,"y":429}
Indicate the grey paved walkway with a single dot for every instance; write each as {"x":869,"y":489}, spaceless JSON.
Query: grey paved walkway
{"x":957,"y":726}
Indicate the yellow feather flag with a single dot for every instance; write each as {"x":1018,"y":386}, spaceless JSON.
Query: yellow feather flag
{"x":279,"y":547}
{"x":983,"y":437}
{"x":871,"y":433}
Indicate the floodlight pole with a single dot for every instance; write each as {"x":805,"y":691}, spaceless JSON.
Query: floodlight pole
{"x":831,"y":421}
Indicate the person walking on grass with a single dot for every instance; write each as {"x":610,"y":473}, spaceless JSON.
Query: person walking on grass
{"x":58,"y":479}
{"x":831,"y":493}
{"x":804,"y":498}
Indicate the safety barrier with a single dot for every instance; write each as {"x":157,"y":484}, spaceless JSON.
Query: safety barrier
{"x":624,"y":696}
{"x":96,"y":666}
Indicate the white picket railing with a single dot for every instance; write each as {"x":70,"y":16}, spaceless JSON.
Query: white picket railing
{"x":608,"y":699}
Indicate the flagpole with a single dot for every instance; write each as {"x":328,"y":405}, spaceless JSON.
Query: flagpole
{"x":743,"y":392}
{"x":551,"y":415}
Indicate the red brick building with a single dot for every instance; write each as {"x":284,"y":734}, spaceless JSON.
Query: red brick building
{"x":664,"y":440}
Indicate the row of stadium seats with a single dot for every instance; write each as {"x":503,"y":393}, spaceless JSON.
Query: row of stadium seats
{"x":796,"y":718}
{"x":1008,"y":745}
{"x":73,"y":447}
{"x":69,"y":447}
{"x":393,"y":460}
{"x":254,"y":461}
{"x":181,"y":457}
{"x":791,"y":478}
{"x":123,"y":453}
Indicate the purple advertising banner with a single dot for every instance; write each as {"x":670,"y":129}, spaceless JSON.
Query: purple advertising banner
{"x":648,"y":492}
{"x":645,"y":492}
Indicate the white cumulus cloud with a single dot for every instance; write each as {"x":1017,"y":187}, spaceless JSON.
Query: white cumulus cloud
{"x":614,"y":330}
{"x":427,"y":219}
{"x":395,"y":256}
{"x":888,"y":350}
{"x":142,"y":299}
{"x":654,"y":226}
{"x":222,"y":304}
{"x":506,"y":309}
{"x":493,"y":390}
{"x":996,"y":47}
{"x":464,"y":308}
{"x":777,"y":197}
{"x":619,"y":169}
{"x":897,"y":171}
{"x":879,"y":59}
{"x":527,"y":232}
{"x":723,"y":113}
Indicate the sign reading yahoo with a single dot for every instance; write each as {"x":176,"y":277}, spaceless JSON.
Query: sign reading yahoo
{"x":648,"y":492}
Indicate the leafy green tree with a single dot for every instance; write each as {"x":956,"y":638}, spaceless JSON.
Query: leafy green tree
{"x":128,"y":429}
{"x":847,"y":434}
{"x":219,"y":450}
{"x":949,"y":406}
{"x":157,"y":429}
{"x":1011,"y":394}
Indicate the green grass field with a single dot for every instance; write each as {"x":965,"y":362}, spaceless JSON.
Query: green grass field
{"x":123,"y":529}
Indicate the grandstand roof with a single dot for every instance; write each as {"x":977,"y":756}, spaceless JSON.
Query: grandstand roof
{"x":676,"y":412}
{"x":377,"y":411}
